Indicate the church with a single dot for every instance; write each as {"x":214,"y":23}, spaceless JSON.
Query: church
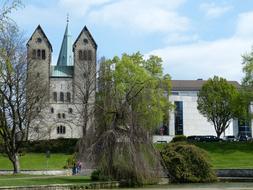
{"x":61,"y":116}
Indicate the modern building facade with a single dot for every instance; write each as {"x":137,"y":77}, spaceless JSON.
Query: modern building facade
{"x":186,"y":120}
{"x":62,"y":115}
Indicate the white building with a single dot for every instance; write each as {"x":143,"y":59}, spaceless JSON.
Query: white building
{"x":186,"y":120}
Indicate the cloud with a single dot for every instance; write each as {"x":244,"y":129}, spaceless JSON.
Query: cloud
{"x":80,"y":8}
{"x":212,"y":10}
{"x":204,"y":59}
{"x":244,"y":27}
{"x":142,"y":16}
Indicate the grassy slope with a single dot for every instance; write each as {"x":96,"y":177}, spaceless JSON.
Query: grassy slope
{"x":21,"y":180}
{"x":36,"y":161}
{"x":227,"y":155}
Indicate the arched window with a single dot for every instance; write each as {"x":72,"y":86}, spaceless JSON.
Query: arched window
{"x":80,"y":55}
{"x":52,"y":110}
{"x":59,"y":115}
{"x":62,"y":96}
{"x":63,"y":115}
{"x":38,"y":53}
{"x":61,"y":129}
{"x":85,"y":56}
{"x":89,"y":55}
{"x":55,"y":96}
{"x":43,"y":53}
{"x":70,"y":110}
{"x":68,"y":97}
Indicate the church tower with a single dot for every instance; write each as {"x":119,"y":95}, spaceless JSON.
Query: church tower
{"x":39,"y":55}
{"x":85,"y":56}
{"x":84,"y":81}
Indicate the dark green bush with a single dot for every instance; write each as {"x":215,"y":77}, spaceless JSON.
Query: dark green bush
{"x":97,"y":175}
{"x":179,"y":138}
{"x":67,"y":146}
{"x":187,"y":163}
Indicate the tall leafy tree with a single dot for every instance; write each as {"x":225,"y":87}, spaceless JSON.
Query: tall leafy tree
{"x":130,"y":104}
{"x":217,"y":101}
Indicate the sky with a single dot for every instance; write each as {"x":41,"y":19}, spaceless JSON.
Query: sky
{"x":195,"y":38}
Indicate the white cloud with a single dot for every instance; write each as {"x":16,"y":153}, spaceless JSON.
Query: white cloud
{"x":212,"y":10}
{"x":177,"y":38}
{"x":80,"y":7}
{"x":244,"y":27}
{"x":205,"y":59}
{"x":142,"y":16}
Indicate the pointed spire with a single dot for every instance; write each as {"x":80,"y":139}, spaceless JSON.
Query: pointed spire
{"x":66,"y":55}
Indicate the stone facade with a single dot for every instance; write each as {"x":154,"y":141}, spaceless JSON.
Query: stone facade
{"x":62,"y":115}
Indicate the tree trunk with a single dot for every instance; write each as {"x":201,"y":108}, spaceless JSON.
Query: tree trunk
{"x":15,"y":163}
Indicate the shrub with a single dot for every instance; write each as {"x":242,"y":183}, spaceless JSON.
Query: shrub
{"x":97,"y":175}
{"x":61,"y":145}
{"x":70,"y":161}
{"x":179,"y":138}
{"x":187,"y":163}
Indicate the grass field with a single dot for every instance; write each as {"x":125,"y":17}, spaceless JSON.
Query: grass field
{"x":27,"y":180}
{"x":227,"y":154}
{"x":36,"y":161}
{"x":222,"y":155}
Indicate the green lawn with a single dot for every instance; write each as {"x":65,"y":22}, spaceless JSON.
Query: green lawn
{"x":27,"y":180}
{"x":36,"y":161}
{"x":227,"y":154}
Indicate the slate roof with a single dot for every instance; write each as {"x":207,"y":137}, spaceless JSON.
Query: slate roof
{"x":61,"y":71}
{"x":193,"y":85}
{"x":66,"y":55}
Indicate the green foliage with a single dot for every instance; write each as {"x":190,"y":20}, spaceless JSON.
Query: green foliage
{"x":217,"y":101}
{"x":54,"y":146}
{"x":248,"y":69}
{"x":136,"y":83}
{"x":187,"y":163}
{"x":70,"y":161}
{"x":97,"y":175}
{"x":131,"y":102}
{"x":179,"y":138}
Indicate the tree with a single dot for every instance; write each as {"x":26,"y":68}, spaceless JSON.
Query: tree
{"x":21,"y":99}
{"x":130,"y":103}
{"x":217,"y":101}
{"x":247,"y":81}
{"x":7,"y":7}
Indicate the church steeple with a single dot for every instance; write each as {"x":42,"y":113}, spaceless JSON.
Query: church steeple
{"x":66,"y":55}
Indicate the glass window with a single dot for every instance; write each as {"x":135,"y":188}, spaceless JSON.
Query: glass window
{"x":59,"y":115}
{"x":61,"y":129}
{"x":63,"y":115}
{"x":85,"y":55}
{"x":89,"y":55}
{"x":178,"y":118}
{"x":52,"y":110}
{"x":43,"y":54}
{"x":55,"y":96}
{"x":68,"y":97}
{"x":62,"y":96}
{"x":70,"y":110}
{"x":80,"y":54}
{"x":38,"y":53}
